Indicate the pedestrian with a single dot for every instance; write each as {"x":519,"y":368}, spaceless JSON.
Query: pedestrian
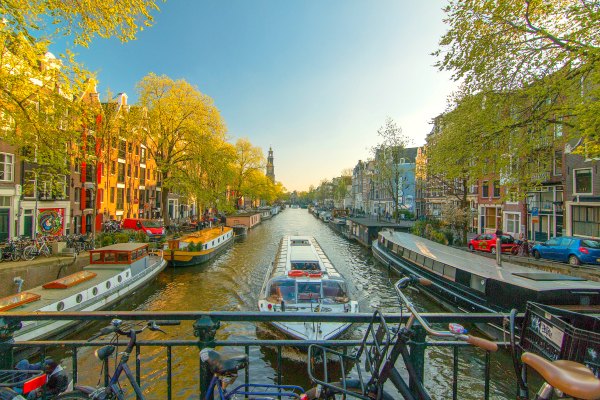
{"x":57,"y":380}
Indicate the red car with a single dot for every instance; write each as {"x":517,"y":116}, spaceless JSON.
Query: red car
{"x":487,"y":242}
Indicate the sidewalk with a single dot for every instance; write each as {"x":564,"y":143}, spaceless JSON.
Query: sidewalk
{"x":38,"y":271}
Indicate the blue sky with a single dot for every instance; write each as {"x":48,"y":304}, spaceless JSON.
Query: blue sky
{"x":313,"y":79}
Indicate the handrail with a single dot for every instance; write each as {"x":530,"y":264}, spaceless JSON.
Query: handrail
{"x":251,"y":316}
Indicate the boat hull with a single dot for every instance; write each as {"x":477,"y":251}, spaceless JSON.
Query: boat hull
{"x":312,"y":330}
{"x":43,"y":329}
{"x":180,"y":258}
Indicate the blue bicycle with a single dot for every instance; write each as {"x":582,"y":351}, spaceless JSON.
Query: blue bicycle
{"x":224,"y":373}
{"x":113,"y":390}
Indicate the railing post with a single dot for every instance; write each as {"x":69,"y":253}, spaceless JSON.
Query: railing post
{"x":417,"y":354}
{"x":7,"y":328}
{"x":205,"y":329}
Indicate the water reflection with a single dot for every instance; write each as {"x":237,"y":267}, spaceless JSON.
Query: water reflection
{"x":232,"y":282}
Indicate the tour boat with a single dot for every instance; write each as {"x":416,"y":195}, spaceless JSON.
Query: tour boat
{"x":113,"y":273}
{"x":198,"y":247}
{"x":302,"y":279}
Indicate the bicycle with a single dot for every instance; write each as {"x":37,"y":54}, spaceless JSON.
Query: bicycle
{"x":10,"y":252}
{"x":224,"y":373}
{"x":380,"y":359}
{"x":566,"y":374}
{"x":113,"y":390}
{"x":37,"y":248}
{"x":523,"y":248}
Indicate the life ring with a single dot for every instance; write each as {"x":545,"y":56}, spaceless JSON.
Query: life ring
{"x":315,"y":274}
{"x":296,"y":273}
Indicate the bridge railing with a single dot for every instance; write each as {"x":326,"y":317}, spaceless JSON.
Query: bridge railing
{"x":206,"y":326}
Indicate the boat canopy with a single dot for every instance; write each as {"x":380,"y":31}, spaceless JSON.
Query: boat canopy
{"x":326,"y":291}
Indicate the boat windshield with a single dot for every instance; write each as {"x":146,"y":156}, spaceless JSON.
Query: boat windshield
{"x":334,"y":292}
{"x":309,"y":292}
{"x":305,"y":265}
{"x":282,"y":289}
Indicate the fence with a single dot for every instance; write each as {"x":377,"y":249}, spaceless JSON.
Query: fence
{"x":206,"y":325}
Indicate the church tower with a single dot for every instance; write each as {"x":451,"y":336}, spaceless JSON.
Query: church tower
{"x":270,"y":167}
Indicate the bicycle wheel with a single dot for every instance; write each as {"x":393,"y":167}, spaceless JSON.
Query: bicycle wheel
{"x":1,"y":255}
{"x":72,"y":395}
{"x":29,"y":253}
{"x":45,"y":250}
{"x":14,"y":255}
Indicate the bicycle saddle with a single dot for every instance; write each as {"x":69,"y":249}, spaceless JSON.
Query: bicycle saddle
{"x":220,"y":364}
{"x":571,"y":378}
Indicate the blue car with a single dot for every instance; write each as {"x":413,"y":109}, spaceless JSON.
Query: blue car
{"x":573,"y":250}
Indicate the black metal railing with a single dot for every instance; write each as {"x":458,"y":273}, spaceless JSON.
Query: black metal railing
{"x":206,"y":324}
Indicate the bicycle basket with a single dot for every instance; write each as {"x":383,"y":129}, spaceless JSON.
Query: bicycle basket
{"x":558,"y":334}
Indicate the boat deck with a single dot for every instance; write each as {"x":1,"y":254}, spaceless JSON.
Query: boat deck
{"x":49,"y":296}
{"x":486,"y":267}
{"x":206,"y":235}
{"x":283,"y":257}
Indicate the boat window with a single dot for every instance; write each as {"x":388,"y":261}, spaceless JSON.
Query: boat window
{"x":122,"y":257}
{"x":282,"y":290}
{"x":478,"y":283}
{"x":109,"y":257}
{"x":334,"y":291}
{"x":309,"y":291}
{"x":305,"y":265}
{"x":96,"y":258}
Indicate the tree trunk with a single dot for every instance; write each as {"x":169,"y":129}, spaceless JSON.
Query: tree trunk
{"x":165,"y":206}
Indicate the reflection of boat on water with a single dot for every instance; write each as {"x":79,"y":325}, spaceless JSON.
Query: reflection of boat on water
{"x":114,"y":272}
{"x":302,"y":279}
{"x":198,"y":247}
{"x":293,"y":359}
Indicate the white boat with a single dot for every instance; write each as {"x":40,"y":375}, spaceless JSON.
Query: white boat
{"x":113,"y":273}
{"x":302,"y":279}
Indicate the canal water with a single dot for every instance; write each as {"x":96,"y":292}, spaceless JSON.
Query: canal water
{"x":231,"y":282}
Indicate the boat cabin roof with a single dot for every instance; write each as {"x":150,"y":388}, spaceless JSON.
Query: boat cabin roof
{"x":120,"y":253}
{"x":482,"y":266}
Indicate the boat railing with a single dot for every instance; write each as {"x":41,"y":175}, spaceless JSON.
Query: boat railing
{"x":156,"y":252}
{"x":205,"y":327}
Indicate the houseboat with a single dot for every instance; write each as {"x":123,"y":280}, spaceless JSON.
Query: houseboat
{"x":198,"y":247}
{"x":302,"y":279}
{"x":265,"y":213}
{"x":250,"y":219}
{"x":114,"y":272}
{"x":469,"y":282}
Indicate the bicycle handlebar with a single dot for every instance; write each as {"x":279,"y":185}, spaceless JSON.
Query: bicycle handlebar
{"x":473,"y":340}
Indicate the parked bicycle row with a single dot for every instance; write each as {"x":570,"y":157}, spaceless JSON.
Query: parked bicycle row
{"x":385,"y":352}
{"x":27,"y":249}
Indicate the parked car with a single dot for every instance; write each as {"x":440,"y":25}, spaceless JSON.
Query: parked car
{"x":153,"y":228}
{"x":487,"y":242}
{"x":574,"y":250}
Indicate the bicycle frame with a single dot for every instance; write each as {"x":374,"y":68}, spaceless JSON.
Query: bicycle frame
{"x":113,"y":385}
{"x":251,"y":389}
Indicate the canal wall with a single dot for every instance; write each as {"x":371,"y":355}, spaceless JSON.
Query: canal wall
{"x":38,"y":271}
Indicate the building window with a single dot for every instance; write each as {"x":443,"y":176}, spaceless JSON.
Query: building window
{"x":137,"y":172}
{"x":122,"y":148}
{"x":586,"y":221}
{"x":558,"y":163}
{"x":6,"y":167}
{"x":582,"y":181}
{"x":496,"y":188}
{"x":513,"y":223}
{"x":485,"y":189}
{"x":120,"y":198}
{"x":142,"y":175}
{"x":113,"y":167}
{"x":121,"y":173}
{"x":112,"y":195}
{"x":77,"y":195}
{"x":143,"y":155}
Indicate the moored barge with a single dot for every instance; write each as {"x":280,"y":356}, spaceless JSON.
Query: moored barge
{"x":302,"y":279}
{"x":114,"y":272}
{"x":198,"y":247}
{"x":472,"y":283}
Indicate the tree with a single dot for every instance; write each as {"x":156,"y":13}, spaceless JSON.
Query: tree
{"x":178,"y":121}
{"x":248,"y":160}
{"x":547,"y":51}
{"x":387,"y":154}
{"x":39,"y":92}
